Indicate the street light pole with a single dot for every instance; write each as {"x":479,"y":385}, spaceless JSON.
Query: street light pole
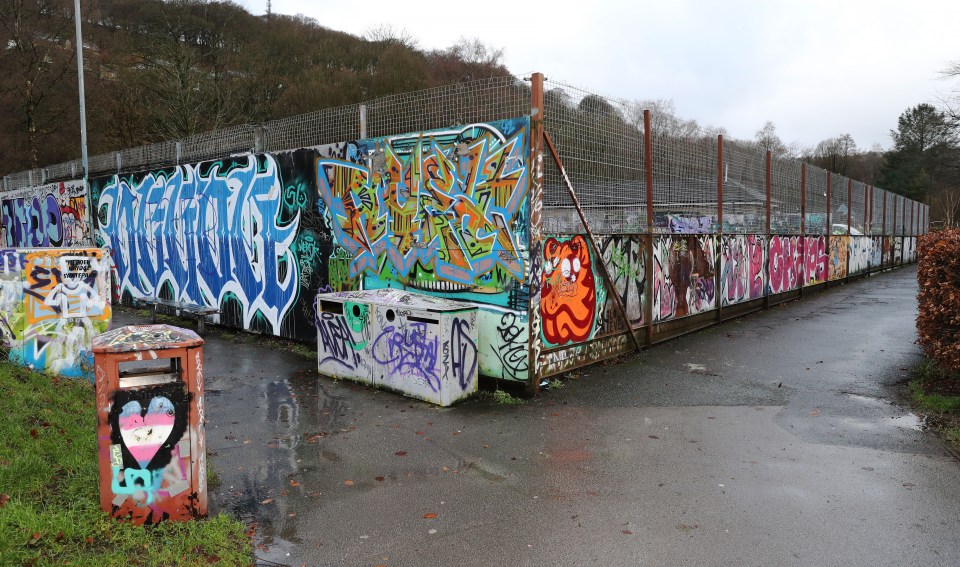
{"x":88,"y":221}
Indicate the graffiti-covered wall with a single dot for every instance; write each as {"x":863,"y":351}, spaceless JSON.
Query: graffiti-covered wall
{"x":683,"y":276}
{"x":743,"y":268}
{"x":52,"y":303}
{"x":787,"y":263}
{"x":443,"y":213}
{"x":52,"y":215}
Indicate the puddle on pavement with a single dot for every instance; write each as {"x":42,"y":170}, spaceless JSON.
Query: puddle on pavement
{"x":909,"y":421}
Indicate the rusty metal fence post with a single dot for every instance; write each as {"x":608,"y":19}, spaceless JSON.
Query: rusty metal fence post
{"x":718,"y":245}
{"x":803,"y":222}
{"x":536,"y":231}
{"x":766,"y":268}
{"x":648,"y":264}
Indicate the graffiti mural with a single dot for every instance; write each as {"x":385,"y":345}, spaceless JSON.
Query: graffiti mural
{"x":624,"y":259}
{"x":897,"y":250}
{"x":441,"y":210}
{"x":860,"y":252}
{"x":786,"y":263}
{"x":839,"y":249}
{"x":887,"y":251}
{"x":47,"y":216}
{"x":876,"y":252}
{"x":683,"y":276}
{"x":572,"y":295}
{"x":54,"y":302}
{"x":444,"y":213}
{"x":12,"y":263}
{"x":743,"y":268}
{"x":213,"y":234}
{"x":816,"y":261}
{"x":910,"y":249}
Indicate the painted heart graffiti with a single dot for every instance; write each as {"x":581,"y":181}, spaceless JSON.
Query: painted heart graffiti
{"x":145,"y":431}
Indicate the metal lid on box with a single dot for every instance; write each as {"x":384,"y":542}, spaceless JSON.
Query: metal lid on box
{"x":399,"y":299}
{"x":134,"y":338}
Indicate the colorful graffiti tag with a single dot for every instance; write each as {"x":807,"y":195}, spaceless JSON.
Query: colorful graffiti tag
{"x":570,"y":298}
{"x":860,"y":251}
{"x":816,"y":261}
{"x":423,"y":346}
{"x":54,"y":301}
{"x":52,"y":215}
{"x":211,"y":234}
{"x":444,"y":206}
{"x":683,"y":276}
{"x":625,"y":262}
{"x":786,"y":263}
{"x":876,"y":252}
{"x":742,"y":272}
{"x":839,"y":249}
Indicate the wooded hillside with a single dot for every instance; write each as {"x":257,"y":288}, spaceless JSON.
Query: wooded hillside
{"x":158,"y":70}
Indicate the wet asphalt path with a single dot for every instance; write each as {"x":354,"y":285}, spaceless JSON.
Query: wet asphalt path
{"x":770,"y":440}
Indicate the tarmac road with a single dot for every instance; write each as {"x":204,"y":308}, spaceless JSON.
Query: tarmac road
{"x":773,"y":439}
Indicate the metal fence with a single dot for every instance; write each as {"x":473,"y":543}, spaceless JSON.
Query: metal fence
{"x":441,"y":107}
{"x":601,"y":142}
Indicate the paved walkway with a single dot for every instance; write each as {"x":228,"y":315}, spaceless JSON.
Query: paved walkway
{"x":769,"y":440}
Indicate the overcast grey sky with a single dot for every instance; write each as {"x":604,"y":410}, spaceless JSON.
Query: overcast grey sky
{"x":816,"y":68}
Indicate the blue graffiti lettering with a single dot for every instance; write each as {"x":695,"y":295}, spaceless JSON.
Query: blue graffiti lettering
{"x":206,"y":232}
{"x":409,"y":352}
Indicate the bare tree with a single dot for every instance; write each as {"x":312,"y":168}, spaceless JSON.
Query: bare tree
{"x":945,"y":204}
{"x":36,"y":65}
{"x":387,"y":34}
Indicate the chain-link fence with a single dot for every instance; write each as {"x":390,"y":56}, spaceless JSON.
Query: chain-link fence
{"x":785,"y":196}
{"x":600,"y":142}
{"x":815,"y":193}
{"x":441,"y":107}
{"x":744,"y":189}
{"x":601,"y":145}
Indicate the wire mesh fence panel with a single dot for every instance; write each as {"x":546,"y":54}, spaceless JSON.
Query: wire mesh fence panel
{"x":221,"y":143}
{"x":785,"y":202}
{"x":21,"y":179}
{"x":339,"y":124}
{"x":65,"y":171}
{"x":839,"y":207}
{"x":888,"y":216}
{"x":448,"y":106}
{"x":815,"y":221}
{"x":744,"y":189}
{"x":858,"y":213}
{"x":685,"y":184}
{"x":600,"y":142}
{"x":876,"y":223}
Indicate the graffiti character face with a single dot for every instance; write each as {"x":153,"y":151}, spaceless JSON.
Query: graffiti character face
{"x":569,"y":296}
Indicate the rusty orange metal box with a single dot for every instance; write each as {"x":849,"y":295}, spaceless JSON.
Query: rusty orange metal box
{"x":150,"y":423}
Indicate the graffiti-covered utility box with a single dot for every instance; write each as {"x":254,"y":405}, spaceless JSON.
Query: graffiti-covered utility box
{"x":53,"y":301}
{"x":150,"y":414}
{"x":422,"y":346}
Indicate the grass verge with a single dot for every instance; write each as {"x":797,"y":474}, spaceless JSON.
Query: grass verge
{"x":935,"y":394}
{"x":49,"y":506}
